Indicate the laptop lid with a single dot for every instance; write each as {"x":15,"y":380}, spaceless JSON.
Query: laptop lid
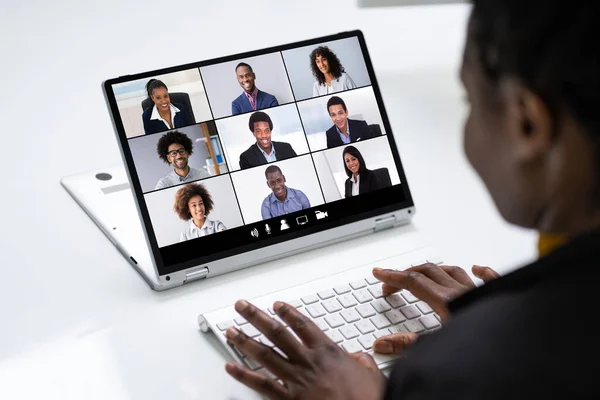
{"x":249,"y":157}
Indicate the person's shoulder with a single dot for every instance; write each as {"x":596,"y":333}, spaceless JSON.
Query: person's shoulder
{"x":250,"y":150}
{"x":238,"y":99}
{"x":331,"y":130}
{"x":162,"y":183}
{"x":282,"y":145}
{"x":147,"y":112}
{"x":200,"y":172}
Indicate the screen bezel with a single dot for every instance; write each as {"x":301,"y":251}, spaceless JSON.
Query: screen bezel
{"x":162,"y":270}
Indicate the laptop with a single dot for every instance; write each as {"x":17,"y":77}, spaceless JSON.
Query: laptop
{"x":236,"y":161}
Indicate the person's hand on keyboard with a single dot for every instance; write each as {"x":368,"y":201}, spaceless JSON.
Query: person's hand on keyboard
{"x":315,"y":368}
{"x":434,"y":284}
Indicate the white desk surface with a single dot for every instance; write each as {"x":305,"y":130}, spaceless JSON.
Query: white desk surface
{"x":79,"y":323}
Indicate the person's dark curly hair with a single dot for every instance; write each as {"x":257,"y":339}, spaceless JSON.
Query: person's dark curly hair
{"x":353,"y":151}
{"x":335,"y":66}
{"x":259,"y":116}
{"x":169,"y":138}
{"x":183,"y":196}
{"x":549,"y":47}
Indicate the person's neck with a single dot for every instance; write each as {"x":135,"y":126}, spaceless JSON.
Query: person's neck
{"x":329,"y":77}
{"x":199,"y":222}
{"x":344,"y":129}
{"x":268,"y":151}
{"x":251,"y":91}
{"x":282,"y":198}
{"x":164,"y":113}
{"x":355,"y":176}
{"x":183,"y":172}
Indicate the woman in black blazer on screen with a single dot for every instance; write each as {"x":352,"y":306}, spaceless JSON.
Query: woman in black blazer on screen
{"x":360,"y":179}
{"x":164,"y":115}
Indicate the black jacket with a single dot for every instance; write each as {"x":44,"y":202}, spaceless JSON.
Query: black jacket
{"x":254,"y":157}
{"x":154,"y":125}
{"x":528,"y":335}
{"x":368,"y":182}
{"x":359,"y":130}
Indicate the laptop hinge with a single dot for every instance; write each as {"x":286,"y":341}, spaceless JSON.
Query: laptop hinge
{"x":195,"y":275}
{"x":384,"y":223}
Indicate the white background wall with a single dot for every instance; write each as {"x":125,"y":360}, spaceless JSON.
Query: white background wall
{"x":222,"y":85}
{"x":361,"y":104}
{"x":166,"y":222}
{"x":236,"y":136}
{"x":131,"y":94}
{"x":297,"y":62}
{"x":251,"y":185}
{"x":376,"y":153}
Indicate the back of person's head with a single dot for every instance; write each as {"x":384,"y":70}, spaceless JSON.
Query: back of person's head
{"x":272,"y":169}
{"x":154,"y":84}
{"x":259,"y":116}
{"x":335,"y":66}
{"x":353,"y":151}
{"x":169,"y":138}
{"x":335,"y":100}
{"x":243,"y":64}
{"x":549,"y":46}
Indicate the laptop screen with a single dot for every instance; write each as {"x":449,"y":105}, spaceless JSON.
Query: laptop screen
{"x":234,"y":154}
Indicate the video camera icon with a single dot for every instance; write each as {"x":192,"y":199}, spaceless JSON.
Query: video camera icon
{"x":321,"y":214}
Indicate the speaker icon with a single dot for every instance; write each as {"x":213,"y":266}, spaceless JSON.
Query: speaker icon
{"x":254,"y":232}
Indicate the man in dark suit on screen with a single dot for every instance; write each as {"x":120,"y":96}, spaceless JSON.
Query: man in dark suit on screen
{"x":264,"y":150}
{"x":344,"y":130}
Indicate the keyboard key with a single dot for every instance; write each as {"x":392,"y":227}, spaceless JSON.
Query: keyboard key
{"x":345,"y":288}
{"x":376,"y":291}
{"x":380,"y":321}
{"x":424,"y":307}
{"x":438,"y":317}
{"x":267,"y":373}
{"x":347,"y":300}
{"x":382,"y":359}
{"x":381,"y":333}
{"x":434,"y":260}
{"x":250,"y":330}
{"x":395,"y":316}
{"x":320,"y":322}
{"x":349,"y":331}
{"x":352,"y":346}
{"x":253,"y":365}
{"x":265,"y":340}
{"x":414,"y":326}
{"x":331,"y":305}
{"x":366,"y":341}
{"x":408,"y":296}
{"x":334,"y":320}
{"x":240,"y":321}
{"x":335,"y":335}
{"x":371,"y":280}
{"x":410,"y":312}
{"x":304,"y":312}
{"x":399,"y":328}
{"x":365,"y":310}
{"x":358,"y":284}
{"x":396,"y":300}
{"x":223,"y":326}
{"x":364,"y":326}
{"x":380,"y":305}
{"x":271,"y":311}
{"x":362,"y":296}
{"x":310,"y":299}
{"x":326,"y":294}
{"x":316,"y":310}
{"x":429,"y":321}
{"x":294,"y":303}
{"x":350,"y":315}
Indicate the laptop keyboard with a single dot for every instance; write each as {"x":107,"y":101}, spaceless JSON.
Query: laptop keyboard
{"x":352,"y":314}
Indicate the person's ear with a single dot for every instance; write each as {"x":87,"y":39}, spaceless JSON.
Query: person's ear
{"x":530,"y":122}
{"x":269,"y":186}
{"x":283,"y":178}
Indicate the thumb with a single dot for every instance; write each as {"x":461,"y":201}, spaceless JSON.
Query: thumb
{"x":486,"y":274}
{"x":365,"y":360}
{"x":396,"y":343}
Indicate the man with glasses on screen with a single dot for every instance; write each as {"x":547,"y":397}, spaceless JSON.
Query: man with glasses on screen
{"x":283,"y":200}
{"x":175,"y":148}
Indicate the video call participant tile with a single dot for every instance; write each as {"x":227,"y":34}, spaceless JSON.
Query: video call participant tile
{"x":246,"y":85}
{"x":179,"y":156}
{"x":261,"y":137}
{"x":162,"y":103}
{"x":326,"y":68}
{"x":340,"y":119}
{"x":276,"y":189}
{"x":193,"y":210}
{"x":356,"y":169}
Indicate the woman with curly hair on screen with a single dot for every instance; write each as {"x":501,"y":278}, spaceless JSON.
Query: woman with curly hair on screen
{"x":329,"y":72}
{"x":193,"y":203}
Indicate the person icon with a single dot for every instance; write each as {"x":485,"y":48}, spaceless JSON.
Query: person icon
{"x":284,"y":225}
